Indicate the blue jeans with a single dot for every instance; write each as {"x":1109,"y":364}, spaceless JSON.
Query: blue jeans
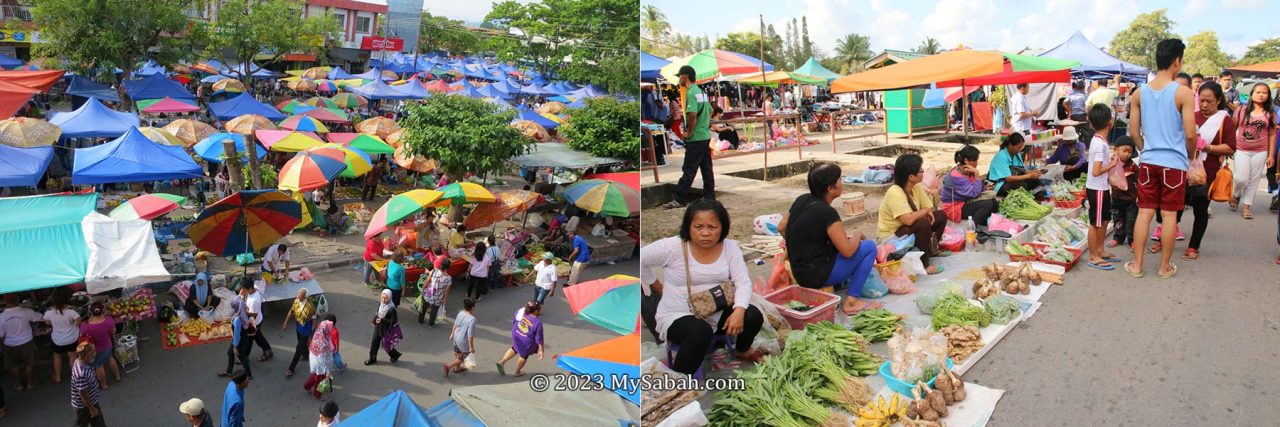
{"x":540,"y":294}
{"x":368,"y":271}
{"x":856,"y":268}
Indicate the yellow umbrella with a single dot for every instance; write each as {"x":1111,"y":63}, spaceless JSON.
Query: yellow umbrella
{"x":248,"y":123}
{"x":358,"y":163}
{"x":380,"y":126}
{"x":229,"y":85}
{"x":463,"y":193}
{"x":190,"y":131}
{"x":304,"y":85}
{"x":28,"y":132}
{"x":532,"y":130}
{"x":553,"y":107}
{"x":161,"y":136}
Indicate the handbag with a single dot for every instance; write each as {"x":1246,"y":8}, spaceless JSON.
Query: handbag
{"x":325,"y":386}
{"x":704,"y":304}
{"x":1224,"y":181}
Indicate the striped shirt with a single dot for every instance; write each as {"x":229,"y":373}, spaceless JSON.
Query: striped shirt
{"x":83,"y":380}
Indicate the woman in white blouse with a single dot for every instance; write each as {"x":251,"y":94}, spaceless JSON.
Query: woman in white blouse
{"x":713,"y":260}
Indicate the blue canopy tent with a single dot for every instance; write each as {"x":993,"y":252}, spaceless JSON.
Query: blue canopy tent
{"x":1094,"y":62}
{"x":94,"y":120}
{"x":156,"y":86}
{"x":562,"y":98}
{"x":374,"y":74}
{"x":413,"y":90}
{"x":337,"y":73}
{"x":462,"y":85}
{"x":252,"y":70}
{"x":469,"y":91}
{"x":497,"y":75}
{"x":23,"y":167}
{"x":538,"y":80}
{"x":211,"y":150}
{"x":151,"y":67}
{"x":649,"y":66}
{"x":244,"y":104}
{"x":449,"y":413}
{"x":535,"y":89}
{"x":492,"y":92}
{"x":132,"y":158}
{"x":577,"y":103}
{"x":506,"y":87}
{"x":533,"y":116}
{"x":395,"y":410}
{"x":378,"y":89}
{"x":586,"y":92}
{"x":9,"y":62}
{"x":84,"y":87}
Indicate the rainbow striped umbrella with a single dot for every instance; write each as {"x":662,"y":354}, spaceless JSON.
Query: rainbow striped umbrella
{"x":330,"y":115}
{"x":293,"y":106}
{"x":367,"y":143}
{"x":247,"y":221}
{"x":287,"y":141}
{"x":303,"y":123}
{"x":147,"y":206}
{"x":615,"y":358}
{"x":326,"y":86}
{"x":167,"y":105}
{"x":714,"y":62}
{"x":604,"y":197}
{"x":461,"y":193}
{"x":610,"y":303}
{"x":399,"y":207}
{"x":358,"y":162}
{"x":312,"y":169}
{"x":349,"y":100}
{"x":321,"y":102}
{"x":161,"y":136}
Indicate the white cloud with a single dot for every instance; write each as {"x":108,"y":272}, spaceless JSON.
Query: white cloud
{"x":886,"y":27}
{"x":1195,"y":6}
{"x":956,"y":22}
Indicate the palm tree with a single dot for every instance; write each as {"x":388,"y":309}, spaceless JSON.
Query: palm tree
{"x":655,"y":22}
{"x":929,"y":46}
{"x":852,"y":51}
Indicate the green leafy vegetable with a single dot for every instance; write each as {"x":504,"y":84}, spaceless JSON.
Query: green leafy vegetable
{"x":1021,"y":204}
{"x":1002,"y":308}
{"x":956,"y":310}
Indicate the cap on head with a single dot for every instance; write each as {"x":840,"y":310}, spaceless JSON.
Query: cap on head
{"x":192,"y":407}
{"x":1069,"y":134}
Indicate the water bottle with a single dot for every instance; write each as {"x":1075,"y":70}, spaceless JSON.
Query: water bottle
{"x":970,"y":235}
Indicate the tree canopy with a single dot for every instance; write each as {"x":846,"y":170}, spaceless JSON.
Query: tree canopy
{"x":929,"y":46}
{"x":605,"y":127}
{"x":1203,"y":55}
{"x":592,"y":41}
{"x":440,"y":32}
{"x":1264,"y":51}
{"x":243,"y":29}
{"x":97,"y":36}
{"x":1137,"y":44}
{"x":464,"y":134}
{"x":851,"y":52}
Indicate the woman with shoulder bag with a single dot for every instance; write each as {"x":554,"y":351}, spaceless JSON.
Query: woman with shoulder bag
{"x":1218,"y":139}
{"x":705,"y":287}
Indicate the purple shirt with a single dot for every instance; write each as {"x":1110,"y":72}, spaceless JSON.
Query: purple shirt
{"x":959,"y":188}
{"x":526,"y":334}
{"x":1063,"y":153}
{"x":99,"y":334}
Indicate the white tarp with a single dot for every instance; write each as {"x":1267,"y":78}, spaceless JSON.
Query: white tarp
{"x":512,"y":404}
{"x":121,"y":253}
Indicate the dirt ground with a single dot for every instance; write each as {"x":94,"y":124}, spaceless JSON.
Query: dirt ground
{"x":660,"y":223}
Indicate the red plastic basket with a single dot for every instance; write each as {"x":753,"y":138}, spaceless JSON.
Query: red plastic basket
{"x":1069,"y":204}
{"x":1041,"y":247}
{"x":824,"y":305}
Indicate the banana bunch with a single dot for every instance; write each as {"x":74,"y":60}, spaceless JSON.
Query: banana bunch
{"x":194,"y":327}
{"x":881,"y":414}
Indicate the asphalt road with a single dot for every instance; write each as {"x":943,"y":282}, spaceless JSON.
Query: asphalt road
{"x":150,"y":395}
{"x":1107,"y":349}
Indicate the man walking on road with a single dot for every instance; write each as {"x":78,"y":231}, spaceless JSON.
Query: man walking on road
{"x":84,"y":388}
{"x":1162,"y":125}
{"x":233,"y":400}
{"x":697,"y":153}
{"x":580,"y":257}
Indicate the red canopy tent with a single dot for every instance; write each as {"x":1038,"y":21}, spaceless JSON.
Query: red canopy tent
{"x":1009,"y":77}
{"x":42,"y":80}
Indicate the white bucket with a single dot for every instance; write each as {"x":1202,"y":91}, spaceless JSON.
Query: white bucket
{"x":852,"y":204}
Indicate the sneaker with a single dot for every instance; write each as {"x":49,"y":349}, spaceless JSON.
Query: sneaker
{"x":1155,"y":235}
{"x":1180,"y":236}
{"x":1275,"y":204}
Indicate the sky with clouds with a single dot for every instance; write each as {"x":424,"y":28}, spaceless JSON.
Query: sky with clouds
{"x":472,"y":11}
{"x":1006,"y":25}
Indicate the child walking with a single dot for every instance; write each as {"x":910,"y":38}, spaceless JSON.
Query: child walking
{"x":463,"y":337}
{"x":1098,"y":188}
{"x":526,"y":337}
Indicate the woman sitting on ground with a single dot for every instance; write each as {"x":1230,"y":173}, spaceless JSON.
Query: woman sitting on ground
{"x":724,"y":132}
{"x":823,"y":255}
{"x":1007,"y":170}
{"x":961,"y":189}
{"x":901,"y":214}
{"x":699,"y":259}
{"x":200,"y":297}
{"x":1071,"y":154}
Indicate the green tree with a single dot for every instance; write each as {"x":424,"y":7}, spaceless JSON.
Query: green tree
{"x":656,"y":28}
{"x":1203,"y":55}
{"x":1264,"y":51}
{"x":806,"y":45}
{"x":605,"y":128}
{"x":440,"y":32}
{"x":464,"y":134}
{"x":97,"y":36}
{"x":244,"y":29}
{"x":851,"y":52}
{"x":591,"y":41}
{"x":929,"y":46}
{"x":1137,"y":44}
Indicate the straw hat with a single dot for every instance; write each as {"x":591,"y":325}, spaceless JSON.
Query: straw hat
{"x":192,"y":407}
{"x":1069,"y":134}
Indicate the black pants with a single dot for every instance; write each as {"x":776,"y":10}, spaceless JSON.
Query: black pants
{"x":194,"y":310}
{"x":1126,"y":213}
{"x":368,"y":191}
{"x":244,"y":349}
{"x":1200,"y":208}
{"x":649,"y":313}
{"x":693,"y":335}
{"x":697,"y":156}
{"x":261,"y":339}
{"x":979,"y":210}
{"x":395,"y":296}
{"x":377,"y":344}
{"x":83,"y":418}
{"x":477,"y":286}
{"x":303,"y":348}
{"x":428,"y":312}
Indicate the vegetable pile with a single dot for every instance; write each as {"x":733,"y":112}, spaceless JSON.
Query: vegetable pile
{"x":956,"y":310}
{"x":1062,"y":191}
{"x":962,"y":341}
{"x":1020,"y":249}
{"x":925,"y":301}
{"x":912,"y":354}
{"x":1020,"y":204}
{"x":931,"y":405}
{"x":1002,"y":308}
{"x":876,"y":325}
{"x":1062,"y":231}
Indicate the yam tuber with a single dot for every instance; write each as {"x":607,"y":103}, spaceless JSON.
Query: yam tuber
{"x":944,"y":386}
{"x":984,"y":288}
{"x":920,"y":407}
{"x":936,"y":402}
{"x":958,"y":385}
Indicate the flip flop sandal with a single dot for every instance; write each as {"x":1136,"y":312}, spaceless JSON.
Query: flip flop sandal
{"x":943,"y":254}
{"x":938,"y":271}
{"x":1112,"y":259}
{"x":1155,"y":248}
{"x":502,"y":370}
{"x":1137,"y":275}
{"x":1107,"y":267}
{"x":1190,"y":254}
{"x":673,"y":205}
{"x":1171,"y":274}
{"x":1247,"y":215}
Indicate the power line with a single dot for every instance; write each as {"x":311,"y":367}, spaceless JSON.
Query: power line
{"x":584,"y":43}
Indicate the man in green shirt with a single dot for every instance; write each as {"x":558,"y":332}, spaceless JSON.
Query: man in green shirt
{"x":697,"y":154}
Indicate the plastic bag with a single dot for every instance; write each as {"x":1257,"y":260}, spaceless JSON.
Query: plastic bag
{"x":1117,"y":179}
{"x":774,"y":329}
{"x":951,"y":236}
{"x":767,"y":225}
{"x":780,"y":277}
{"x":322,"y":304}
{"x":998,"y":222}
{"x":244,"y":259}
{"x":1196,"y":174}
{"x":469,"y":362}
{"x":912,"y":264}
{"x":900,"y":283}
{"x":689,"y":415}
{"x":931,"y":183}
{"x":901,"y":242}
{"x":206,"y":316}
{"x":875,"y":286}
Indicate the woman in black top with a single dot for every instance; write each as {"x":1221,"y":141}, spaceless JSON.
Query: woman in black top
{"x":725,"y":132}
{"x":821,"y":252}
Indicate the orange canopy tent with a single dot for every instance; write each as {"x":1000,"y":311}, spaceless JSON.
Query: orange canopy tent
{"x":982,"y":67}
{"x":41,"y":80}
{"x":508,"y":204}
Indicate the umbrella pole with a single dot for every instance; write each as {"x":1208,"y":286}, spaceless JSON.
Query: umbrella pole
{"x":964,"y":114}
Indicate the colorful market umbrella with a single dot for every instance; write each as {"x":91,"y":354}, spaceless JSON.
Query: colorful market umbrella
{"x":315,"y":73}
{"x":610,"y":303}
{"x":380,"y":126}
{"x":711,"y":63}
{"x":629,"y":179}
{"x":247,"y":124}
{"x":358,"y":162}
{"x":321,"y":102}
{"x":364,"y":142}
{"x":395,"y":139}
{"x":302,"y":85}
{"x":328,"y":115}
{"x":293,"y":106}
{"x":312,"y":169}
{"x":211,"y":149}
{"x":604,"y":197}
{"x":399,"y":207}
{"x":287,"y":141}
{"x":508,"y":204}
{"x":161,"y":136}
{"x":615,"y":358}
{"x":414,"y":163}
{"x":167,"y":105}
{"x":26,"y":132}
{"x":247,"y":221}
{"x":190,"y":131}
{"x":229,"y":85}
{"x":349,"y":100}
{"x":958,"y":65}
{"x":303,"y":123}
{"x":461,"y":193}
{"x":326,"y":86}
{"x":147,"y":206}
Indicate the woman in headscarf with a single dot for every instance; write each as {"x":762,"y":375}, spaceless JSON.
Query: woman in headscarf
{"x":200,"y":297}
{"x":386,"y":330}
{"x":321,"y":356}
{"x":303,"y":311}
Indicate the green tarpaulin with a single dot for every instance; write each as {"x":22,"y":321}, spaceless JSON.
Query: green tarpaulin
{"x":813,"y":69}
{"x":41,"y":241}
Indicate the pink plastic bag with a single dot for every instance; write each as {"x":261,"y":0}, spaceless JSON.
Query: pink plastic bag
{"x":899,"y":283}
{"x":951,"y":236}
{"x":998,"y":222}
{"x":931,"y":183}
{"x":780,"y":277}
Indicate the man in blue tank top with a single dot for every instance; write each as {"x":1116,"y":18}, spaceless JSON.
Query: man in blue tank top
{"x":1162,"y":125}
